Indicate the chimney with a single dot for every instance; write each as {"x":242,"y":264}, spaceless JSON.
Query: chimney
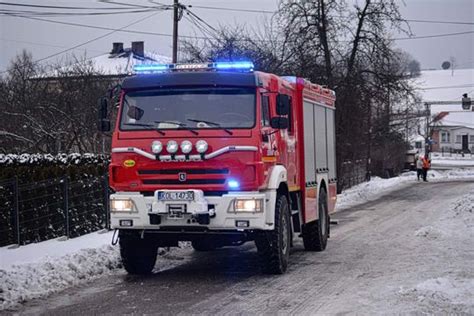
{"x":117,"y":48}
{"x":138,"y":48}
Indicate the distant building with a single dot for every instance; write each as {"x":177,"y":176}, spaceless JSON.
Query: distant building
{"x":454,"y":132}
{"x":453,"y":128}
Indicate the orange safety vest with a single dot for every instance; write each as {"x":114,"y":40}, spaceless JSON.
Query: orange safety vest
{"x":426,"y":163}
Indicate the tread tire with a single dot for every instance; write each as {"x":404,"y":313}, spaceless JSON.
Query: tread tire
{"x":270,"y":245}
{"x":314,"y":238}
{"x":138,"y":255}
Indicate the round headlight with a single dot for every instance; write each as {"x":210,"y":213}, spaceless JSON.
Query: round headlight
{"x":156,"y":147}
{"x":201,"y":146}
{"x":186,"y":147}
{"x":172,"y":147}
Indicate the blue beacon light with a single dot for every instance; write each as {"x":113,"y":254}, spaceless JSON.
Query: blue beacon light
{"x":233,"y":184}
{"x":243,"y":65}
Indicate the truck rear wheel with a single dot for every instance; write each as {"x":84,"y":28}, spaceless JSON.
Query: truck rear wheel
{"x":315,"y":234}
{"x":274,"y":246}
{"x":138,"y":255}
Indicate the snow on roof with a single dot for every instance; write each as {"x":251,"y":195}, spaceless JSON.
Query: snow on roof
{"x":112,"y":64}
{"x":122,"y":64}
{"x":447,"y":85}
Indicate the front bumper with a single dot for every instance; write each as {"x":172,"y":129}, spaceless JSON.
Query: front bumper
{"x":204,"y":212}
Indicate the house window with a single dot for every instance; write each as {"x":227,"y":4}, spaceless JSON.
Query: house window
{"x":418,"y":145}
{"x":458,"y":138}
{"x":445,"y":137}
{"x":471,"y":139}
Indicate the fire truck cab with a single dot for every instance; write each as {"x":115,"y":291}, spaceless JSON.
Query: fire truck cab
{"x":219,"y":154}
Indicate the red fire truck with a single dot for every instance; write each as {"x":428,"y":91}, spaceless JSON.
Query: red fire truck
{"x":219,"y":154}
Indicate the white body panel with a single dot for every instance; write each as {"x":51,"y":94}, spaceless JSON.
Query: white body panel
{"x":224,"y":219}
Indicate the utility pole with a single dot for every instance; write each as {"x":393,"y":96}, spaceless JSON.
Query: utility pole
{"x":176,"y":9}
{"x":428,"y":134}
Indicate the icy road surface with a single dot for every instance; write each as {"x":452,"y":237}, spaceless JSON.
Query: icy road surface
{"x":411,"y":251}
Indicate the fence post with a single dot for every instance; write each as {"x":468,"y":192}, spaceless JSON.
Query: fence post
{"x":17,"y":210}
{"x":106,"y":201}
{"x":66,"y":203}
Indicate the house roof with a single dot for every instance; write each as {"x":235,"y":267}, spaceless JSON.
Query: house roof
{"x":111,"y":64}
{"x":122,"y":63}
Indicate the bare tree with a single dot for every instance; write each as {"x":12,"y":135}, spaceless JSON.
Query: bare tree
{"x":50,"y":110}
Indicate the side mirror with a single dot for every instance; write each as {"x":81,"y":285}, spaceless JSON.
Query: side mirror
{"x":279,"y":122}
{"x":103,"y":105}
{"x":135,"y":112}
{"x":103,"y":125}
{"x":283,"y":104}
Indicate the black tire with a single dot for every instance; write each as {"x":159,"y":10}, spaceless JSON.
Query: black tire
{"x":315,"y":234}
{"x":138,"y":255}
{"x":274,"y":246}
{"x":203,"y":245}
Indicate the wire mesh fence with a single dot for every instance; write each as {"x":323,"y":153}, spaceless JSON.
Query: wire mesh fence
{"x":42,"y":210}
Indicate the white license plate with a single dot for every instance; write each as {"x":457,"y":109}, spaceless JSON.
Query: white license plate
{"x":175,"y":195}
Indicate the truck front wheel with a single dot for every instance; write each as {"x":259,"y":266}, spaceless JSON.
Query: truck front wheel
{"x":315,"y":234}
{"x":274,"y":246}
{"x":138,"y":255}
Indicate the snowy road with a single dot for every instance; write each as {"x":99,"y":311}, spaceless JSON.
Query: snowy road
{"x":409,"y":251}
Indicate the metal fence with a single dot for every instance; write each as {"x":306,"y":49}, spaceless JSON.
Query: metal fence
{"x":353,"y":173}
{"x":42,"y":210}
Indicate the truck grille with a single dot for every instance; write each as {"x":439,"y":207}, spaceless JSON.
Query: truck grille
{"x":187,"y":171}
{"x":201,"y":176}
{"x":188,"y":181}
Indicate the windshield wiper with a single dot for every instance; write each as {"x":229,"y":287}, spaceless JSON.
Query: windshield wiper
{"x":146,"y":125}
{"x":212,"y":123}
{"x":180,"y":126}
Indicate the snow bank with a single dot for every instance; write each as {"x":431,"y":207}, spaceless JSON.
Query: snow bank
{"x":376,"y":187}
{"x":37,"y":270}
{"x":75,"y":158}
{"x":444,"y":295}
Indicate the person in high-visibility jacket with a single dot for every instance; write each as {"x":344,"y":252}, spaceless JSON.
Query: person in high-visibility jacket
{"x":426,"y":164}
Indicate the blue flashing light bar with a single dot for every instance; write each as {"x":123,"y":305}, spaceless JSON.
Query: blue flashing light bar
{"x":233,"y":184}
{"x":241,"y":66}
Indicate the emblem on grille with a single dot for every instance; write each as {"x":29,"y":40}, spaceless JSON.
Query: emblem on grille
{"x":182,"y":176}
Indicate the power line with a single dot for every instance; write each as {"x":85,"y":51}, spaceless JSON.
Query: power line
{"x":108,"y":28}
{"x":92,"y":40}
{"x":439,"y":22}
{"x":59,"y":14}
{"x":232,"y":9}
{"x":60,"y":7}
{"x":432,"y":36}
{"x":467,"y":85}
{"x":274,"y":12}
{"x":39,"y":44}
{"x":97,"y":38}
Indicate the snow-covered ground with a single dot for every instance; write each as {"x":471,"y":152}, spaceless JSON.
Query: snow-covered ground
{"x":37,"y":270}
{"x":453,"y":292}
{"x":374,"y":189}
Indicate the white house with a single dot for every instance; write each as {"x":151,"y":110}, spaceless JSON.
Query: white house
{"x":453,"y":128}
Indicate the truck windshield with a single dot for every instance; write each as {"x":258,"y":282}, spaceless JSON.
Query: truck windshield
{"x":196,"y":108}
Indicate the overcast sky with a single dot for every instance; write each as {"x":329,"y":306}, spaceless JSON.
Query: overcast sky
{"x":44,"y":39}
